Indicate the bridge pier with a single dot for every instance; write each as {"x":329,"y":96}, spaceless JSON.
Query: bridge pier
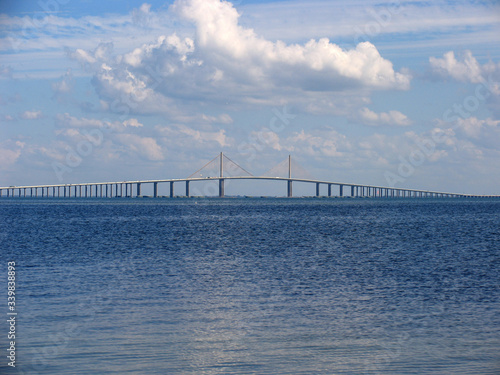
{"x":171,"y":189}
{"x":341,"y":190}
{"x":221,"y":188}
{"x":317,"y":189}
{"x":329,"y":190}
{"x":289,"y":189}
{"x":155,"y":189}
{"x":187,"y":188}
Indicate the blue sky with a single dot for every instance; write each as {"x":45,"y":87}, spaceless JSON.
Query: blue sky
{"x":402,"y":94}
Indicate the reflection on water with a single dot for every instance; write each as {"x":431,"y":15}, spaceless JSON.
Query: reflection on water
{"x":256,"y":286}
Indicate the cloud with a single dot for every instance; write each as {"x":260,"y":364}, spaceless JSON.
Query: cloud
{"x":146,"y":147}
{"x":229,"y":63}
{"x":143,"y":15}
{"x":393,"y":118}
{"x":7,"y":118}
{"x":133,"y":122}
{"x":68,"y":121}
{"x":31,"y":115}
{"x":482,"y":135}
{"x":10,"y":151}
{"x":235,"y":49}
{"x":64,"y":86}
{"x":222,"y":119}
{"x":322,"y":142}
{"x":115,"y":137}
{"x":466,"y":70}
{"x":183,"y":135}
{"x":266,"y":137}
{"x":474,"y":127}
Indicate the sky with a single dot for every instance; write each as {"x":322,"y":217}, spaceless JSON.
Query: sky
{"x":403,"y":94}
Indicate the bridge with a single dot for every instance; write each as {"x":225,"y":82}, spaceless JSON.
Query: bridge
{"x":224,"y":164}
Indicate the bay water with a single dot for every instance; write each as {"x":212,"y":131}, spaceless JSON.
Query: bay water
{"x":253,"y":286}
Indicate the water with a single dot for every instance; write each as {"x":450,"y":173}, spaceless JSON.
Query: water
{"x":254,"y":286}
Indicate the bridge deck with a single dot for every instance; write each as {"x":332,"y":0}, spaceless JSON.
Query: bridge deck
{"x":377,"y":190}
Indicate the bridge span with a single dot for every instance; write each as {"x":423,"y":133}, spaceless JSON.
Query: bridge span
{"x":134,"y":188}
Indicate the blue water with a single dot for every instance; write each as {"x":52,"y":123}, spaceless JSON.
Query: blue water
{"x":254,"y":286}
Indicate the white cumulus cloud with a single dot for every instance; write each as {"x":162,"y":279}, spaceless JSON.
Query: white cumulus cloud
{"x":393,"y":118}
{"x":464,"y":69}
{"x":226,"y":62}
{"x":237,"y":48}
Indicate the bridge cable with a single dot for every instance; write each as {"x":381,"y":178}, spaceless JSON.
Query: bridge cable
{"x":211,"y":161}
{"x":239,"y":166}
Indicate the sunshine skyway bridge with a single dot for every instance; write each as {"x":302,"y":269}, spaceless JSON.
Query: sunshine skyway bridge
{"x":220,"y":177}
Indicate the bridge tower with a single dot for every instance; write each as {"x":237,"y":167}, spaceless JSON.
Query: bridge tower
{"x":221,"y":175}
{"x":289,"y":192}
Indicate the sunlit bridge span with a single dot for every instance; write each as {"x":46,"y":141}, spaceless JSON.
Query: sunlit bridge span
{"x":218,"y":171}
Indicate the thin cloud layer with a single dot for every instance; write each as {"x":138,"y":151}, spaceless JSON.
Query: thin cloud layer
{"x":31,"y":115}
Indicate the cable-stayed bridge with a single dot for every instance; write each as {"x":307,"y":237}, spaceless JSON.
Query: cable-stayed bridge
{"x":220,"y":170}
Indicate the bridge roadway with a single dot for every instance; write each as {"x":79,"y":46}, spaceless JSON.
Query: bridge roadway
{"x":125,"y":189}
